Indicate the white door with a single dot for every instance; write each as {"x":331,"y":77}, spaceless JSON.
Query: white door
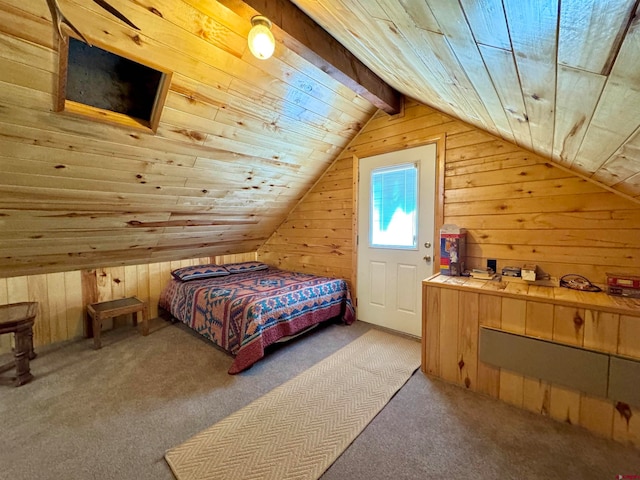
{"x":396,"y":197}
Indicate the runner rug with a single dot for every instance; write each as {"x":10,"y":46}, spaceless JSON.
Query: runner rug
{"x":300,"y":428}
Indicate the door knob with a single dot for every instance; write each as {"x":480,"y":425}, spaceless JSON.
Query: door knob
{"x":427,"y":258}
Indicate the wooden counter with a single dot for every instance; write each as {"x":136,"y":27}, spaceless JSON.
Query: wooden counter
{"x":456,"y":308}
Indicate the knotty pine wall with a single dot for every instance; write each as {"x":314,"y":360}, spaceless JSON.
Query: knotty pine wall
{"x":317,"y":235}
{"x":62,"y":297}
{"x":516,"y":206}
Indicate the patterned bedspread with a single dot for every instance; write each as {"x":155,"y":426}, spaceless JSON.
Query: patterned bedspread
{"x":244,"y":313}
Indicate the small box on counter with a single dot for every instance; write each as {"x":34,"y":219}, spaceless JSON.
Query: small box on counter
{"x":453,"y":246}
{"x":511,"y":272}
{"x":623,"y":285}
{"x":529,"y":272}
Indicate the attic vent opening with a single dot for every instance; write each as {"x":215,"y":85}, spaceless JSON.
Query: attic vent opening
{"x":110,"y":87}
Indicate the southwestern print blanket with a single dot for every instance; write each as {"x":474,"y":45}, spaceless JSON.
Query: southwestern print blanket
{"x":244,"y":313}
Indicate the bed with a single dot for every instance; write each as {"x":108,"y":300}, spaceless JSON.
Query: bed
{"x":253,"y":305}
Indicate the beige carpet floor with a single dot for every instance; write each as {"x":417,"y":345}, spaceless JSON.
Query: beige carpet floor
{"x":299,"y":429}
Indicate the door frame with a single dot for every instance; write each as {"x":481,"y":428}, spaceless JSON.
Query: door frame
{"x":438,"y":202}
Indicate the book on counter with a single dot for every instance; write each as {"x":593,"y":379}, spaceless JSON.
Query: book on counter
{"x":482,"y":273}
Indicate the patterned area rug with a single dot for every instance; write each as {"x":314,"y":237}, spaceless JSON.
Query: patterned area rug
{"x":299,"y":429}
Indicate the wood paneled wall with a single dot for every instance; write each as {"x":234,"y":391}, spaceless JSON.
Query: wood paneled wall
{"x":517,"y":207}
{"x":317,"y":235}
{"x":62,"y":297}
{"x":455,"y":310}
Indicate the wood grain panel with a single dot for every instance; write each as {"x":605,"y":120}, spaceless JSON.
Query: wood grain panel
{"x":62,"y":297}
{"x":489,"y":315}
{"x":238,"y":144}
{"x":565,"y":316}
{"x":250,"y":136}
{"x":538,"y":67}
{"x":431,"y":332}
{"x":448,"y":334}
{"x":513,"y":319}
{"x":517,"y":207}
{"x":468,"y":340}
{"x":536,"y":395}
{"x":565,"y":405}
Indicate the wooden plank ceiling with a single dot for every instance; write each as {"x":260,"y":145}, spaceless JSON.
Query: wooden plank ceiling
{"x":558,"y":77}
{"x":240,"y":140}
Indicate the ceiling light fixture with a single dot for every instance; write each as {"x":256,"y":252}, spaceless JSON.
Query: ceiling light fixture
{"x":261,"y":41}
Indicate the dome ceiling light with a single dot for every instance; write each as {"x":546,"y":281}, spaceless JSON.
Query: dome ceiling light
{"x":261,"y":41}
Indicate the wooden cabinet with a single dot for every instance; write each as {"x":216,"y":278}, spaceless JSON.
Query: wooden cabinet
{"x":456,"y":309}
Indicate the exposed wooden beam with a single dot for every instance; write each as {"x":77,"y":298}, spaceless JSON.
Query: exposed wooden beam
{"x":298,"y":32}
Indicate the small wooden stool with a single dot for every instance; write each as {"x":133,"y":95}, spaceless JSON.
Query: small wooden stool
{"x":102,"y":310}
{"x":18,"y":318}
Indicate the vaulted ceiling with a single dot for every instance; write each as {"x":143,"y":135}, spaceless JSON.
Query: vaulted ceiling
{"x":240,"y":140}
{"x":558,"y":77}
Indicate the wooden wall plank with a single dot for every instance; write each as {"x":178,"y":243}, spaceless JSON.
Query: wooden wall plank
{"x":448,"y":334}
{"x":5,"y":340}
{"x":626,"y":424}
{"x":468,"y":340}
{"x":568,"y":325}
{"x":601,"y":331}
{"x":57,"y":307}
{"x":513,"y":319}
{"x":629,"y":337}
{"x":596,"y":415}
{"x":539,"y":323}
{"x":155,"y":286}
{"x":490,"y":315}
{"x":431,"y":334}
{"x":74,"y":306}
{"x":565,"y":405}
{"x":38,"y":292}
{"x":536,"y":395}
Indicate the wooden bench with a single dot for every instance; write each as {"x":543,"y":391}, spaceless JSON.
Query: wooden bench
{"x":114,"y":308}
{"x":18,"y":318}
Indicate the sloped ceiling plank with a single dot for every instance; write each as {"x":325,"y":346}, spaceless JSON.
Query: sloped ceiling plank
{"x":466,"y":96}
{"x":487,"y":21}
{"x":502,"y":68}
{"x":590,"y":32}
{"x":298,"y":87}
{"x":533,"y":26}
{"x":621,"y":170}
{"x":301,"y":34}
{"x":404,"y":26}
{"x":577,"y":94}
{"x":28,"y":53}
{"x":403,"y":59}
{"x":459,"y":35}
{"x":616,"y":116}
{"x":239,"y":141}
{"x":548,"y":71}
{"x":228,"y":18}
{"x":28,"y":25}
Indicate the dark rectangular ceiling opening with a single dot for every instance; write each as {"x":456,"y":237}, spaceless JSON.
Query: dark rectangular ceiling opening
{"x":110,"y":87}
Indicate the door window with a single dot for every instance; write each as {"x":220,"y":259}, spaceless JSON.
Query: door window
{"x":394,"y":205}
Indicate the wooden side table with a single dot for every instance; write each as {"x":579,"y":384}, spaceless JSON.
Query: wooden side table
{"x":18,"y":318}
{"x":103,"y":310}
